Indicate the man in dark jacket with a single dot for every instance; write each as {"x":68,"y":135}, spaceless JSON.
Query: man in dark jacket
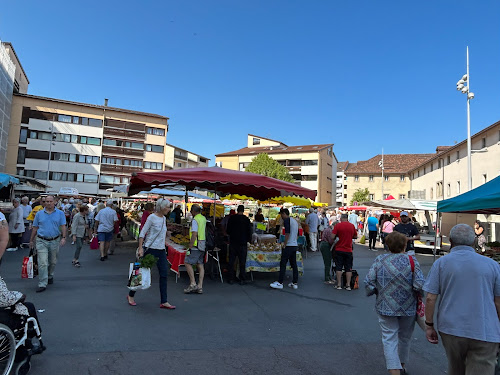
{"x":239,"y":230}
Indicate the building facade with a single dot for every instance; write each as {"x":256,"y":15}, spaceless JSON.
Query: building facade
{"x":341,"y":184}
{"x":177,"y":158}
{"x":312,"y":166}
{"x":83,"y":146}
{"x":368,"y":174}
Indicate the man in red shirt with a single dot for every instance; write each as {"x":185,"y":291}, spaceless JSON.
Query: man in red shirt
{"x":345,"y":232}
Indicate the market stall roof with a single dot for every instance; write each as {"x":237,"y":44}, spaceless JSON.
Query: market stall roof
{"x":7,"y":179}
{"x":223,"y":181}
{"x":299,"y":201}
{"x":404,"y":204}
{"x":176,"y":193}
{"x":484,"y":199}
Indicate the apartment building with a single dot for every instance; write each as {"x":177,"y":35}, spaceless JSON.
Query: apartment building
{"x":177,"y":158}
{"x":396,"y":180}
{"x":341,"y":184}
{"x":84,"y":146}
{"x":312,"y":166}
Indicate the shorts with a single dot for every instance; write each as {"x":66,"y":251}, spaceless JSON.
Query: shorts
{"x":343,"y":260}
{"x":105,"y":236}
{"x":195,"y":257}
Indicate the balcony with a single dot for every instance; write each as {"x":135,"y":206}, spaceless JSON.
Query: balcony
{"x":120,"y":133}
{"x":129,"y":152}
{"x":180,"y":157}
{"x":121,"y":169}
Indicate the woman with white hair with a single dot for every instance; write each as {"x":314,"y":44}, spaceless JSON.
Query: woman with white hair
{"x":16,"y":225}
{"x":152,"y":240}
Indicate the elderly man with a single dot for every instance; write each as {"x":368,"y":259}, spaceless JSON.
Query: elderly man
{"x":409,"y":230}
{"x":196,"y":253}
{"x":469,"y":306}
{"x":26,"y":212}
{"x":48,"y":226}
{"x":104,"y":227}
{"x":312,"y":221}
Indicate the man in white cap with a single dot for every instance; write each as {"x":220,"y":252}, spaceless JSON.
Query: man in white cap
{"x":409,"y":230}
{"x":104,"y":227}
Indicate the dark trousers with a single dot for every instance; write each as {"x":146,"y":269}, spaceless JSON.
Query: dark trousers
{"x":372,"y":238}
{"x":289,"y":254}
{"x":324,"y":247}
{"x":240,"y":251}
{"x":162,"y":264}
{"x":15,"y":239}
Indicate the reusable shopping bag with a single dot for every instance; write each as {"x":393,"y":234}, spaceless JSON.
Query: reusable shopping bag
{"x":27,"y":268}
{"x":139,"y":278}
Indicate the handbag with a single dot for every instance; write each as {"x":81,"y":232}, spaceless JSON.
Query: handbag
{"x":420,"y":315}
{"x":94,"y":243}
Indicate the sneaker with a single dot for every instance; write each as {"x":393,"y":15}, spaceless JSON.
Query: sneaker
{"x":294,"y":286}
{"x":374,"y":249}
{"x":339,"y":287}
{"x":72,"y":242}
{"x":276,"y":285}
{"x":12,"y":249}
{"x":347,"y":288}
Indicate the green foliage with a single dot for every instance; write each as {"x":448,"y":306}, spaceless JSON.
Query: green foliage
{"x":149,"y":261}
{"x":360,"y":195}
{"x":265,"y":165}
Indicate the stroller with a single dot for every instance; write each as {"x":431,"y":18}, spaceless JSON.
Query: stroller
{"x":17,"y":344}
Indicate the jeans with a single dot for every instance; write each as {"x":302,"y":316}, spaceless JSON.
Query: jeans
{"x":324,"y":247}
{"x":47,"y":259}
{"x":372,"y":238}
{"x":289,"y":254}
{"x":240,"y":251}
{"x":396,"y":338}
{"x":313,"y":238}
{"x":79,"y":244}
{"x":469,"y":356}
{"x":162,"y":264}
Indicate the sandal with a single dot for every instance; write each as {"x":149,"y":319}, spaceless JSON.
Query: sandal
{"x":191,"y":289}
{"x":77,"y":264}
{"x":199,"y":291}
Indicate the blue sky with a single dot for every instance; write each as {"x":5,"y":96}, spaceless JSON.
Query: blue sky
{"x":360,"y":74}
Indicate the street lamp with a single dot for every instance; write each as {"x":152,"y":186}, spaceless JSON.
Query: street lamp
{"x":381,"y":165}
{"x":463,"y":85}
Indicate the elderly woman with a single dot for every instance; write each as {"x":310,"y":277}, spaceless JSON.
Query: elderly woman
{"x":396,"y":286}
{"x":79,"y":229}
{"x":16,"y":225}
{"x":152,"y":240}
{"x":327,"y":240}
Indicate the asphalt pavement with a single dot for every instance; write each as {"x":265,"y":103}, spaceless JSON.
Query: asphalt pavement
{"x":89,"y":328}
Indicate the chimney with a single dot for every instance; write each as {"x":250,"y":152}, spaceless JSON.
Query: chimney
{"x":105,"y":102}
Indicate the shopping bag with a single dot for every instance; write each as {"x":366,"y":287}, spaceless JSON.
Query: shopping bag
{"x":24,"y":268}
{"x":362,"y":240}
{"x":94,"y":243}
{"x":139,"y":278}
{"x":29,"y":267}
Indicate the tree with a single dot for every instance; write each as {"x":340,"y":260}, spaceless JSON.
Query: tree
{"x":360,"y":195}
{"x":265,"y":165}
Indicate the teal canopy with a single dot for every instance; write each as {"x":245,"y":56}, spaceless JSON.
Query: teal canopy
{"x":484,"y":199}
{"x":7,"y":179}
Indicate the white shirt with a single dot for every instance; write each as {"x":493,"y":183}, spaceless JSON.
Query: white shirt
{"x":106,"y":218}
{"x":154,"y":231}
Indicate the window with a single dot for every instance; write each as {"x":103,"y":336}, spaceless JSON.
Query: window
{"x":21,"y":155}
{"x":256,"y":141}
{"x":432,"y":193}
{"x":448,"y":160}
{"x":386,"y":178}
{"x":84,"y":120}
{"x":74,"y":138}
{"x":111,"y":142}
{"x":90,"y":141}
{"x":60,"y":156}
{"x":439,"y":189}
{"x":64,"y":118}
{"x":23,"y":135}
{"x":155,"y":131}
{"x":432,"y":167}
{"x":62,"y":176}
{"x":135,"y":145}
{"x":356,"y":178}
{"x":178,"y":164}
{"x":371,"y":196}
{"x":458,"y":155}
{"x":402,"y":177}
{"x":62,"y":137}
{"x":79,"y":177}
{"x":439,"y":163}
{"x":309,"y":162}
{"x":107,"y":179}
{"x":36,"y":154}
{"x":345,"y":196}
{"x":483,"y":143}
{"x":371,"y":178}
{"x":418,"y":173}
{"x":386,"y":196}
{"x":458,"y":187}
{"x":448,"y":190}
{"x":402,"y":196}
{"x":90,"y":178}
{"x":40,"y":175}
{"x":72,"y":157}
{"x":310,"y":178}
{"x":425,"y":170}
{"x":95,"y":122}
{"x":154,"y":148}
{"x":152,"y":165}
{"x":485,"y":179}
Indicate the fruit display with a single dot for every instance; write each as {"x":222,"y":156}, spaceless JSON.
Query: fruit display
{"x":267,"y":247}
{"x":180,"y":240}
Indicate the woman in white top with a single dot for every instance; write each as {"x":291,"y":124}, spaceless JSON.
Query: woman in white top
{"x":153,"y":236}
{"x":16,"y":225}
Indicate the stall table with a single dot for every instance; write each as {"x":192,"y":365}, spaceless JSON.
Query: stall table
{"x":269,"y":261}
{"x":133,"y":228}
{"x":176,"y":255}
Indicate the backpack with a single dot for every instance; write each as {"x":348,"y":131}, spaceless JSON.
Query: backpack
{"x":209,"y":236}
{"x":354,"y":279}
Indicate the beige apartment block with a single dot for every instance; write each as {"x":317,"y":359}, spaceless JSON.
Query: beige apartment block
{"x":84,"y":146}
{"x":312,"y":166}
{"x":368,"y":174}
{"x":177,"y":158}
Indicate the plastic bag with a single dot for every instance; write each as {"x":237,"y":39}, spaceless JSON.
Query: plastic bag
{"x":27,"y":268}
{"x":94,"y":243}
{"x":139,"y":278}
{"x":362,"y":240}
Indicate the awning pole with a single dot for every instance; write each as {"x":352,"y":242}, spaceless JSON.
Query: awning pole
{"x":435,"y":236}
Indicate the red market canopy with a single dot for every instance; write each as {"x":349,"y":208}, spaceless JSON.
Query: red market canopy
{"x":223,"y":181}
